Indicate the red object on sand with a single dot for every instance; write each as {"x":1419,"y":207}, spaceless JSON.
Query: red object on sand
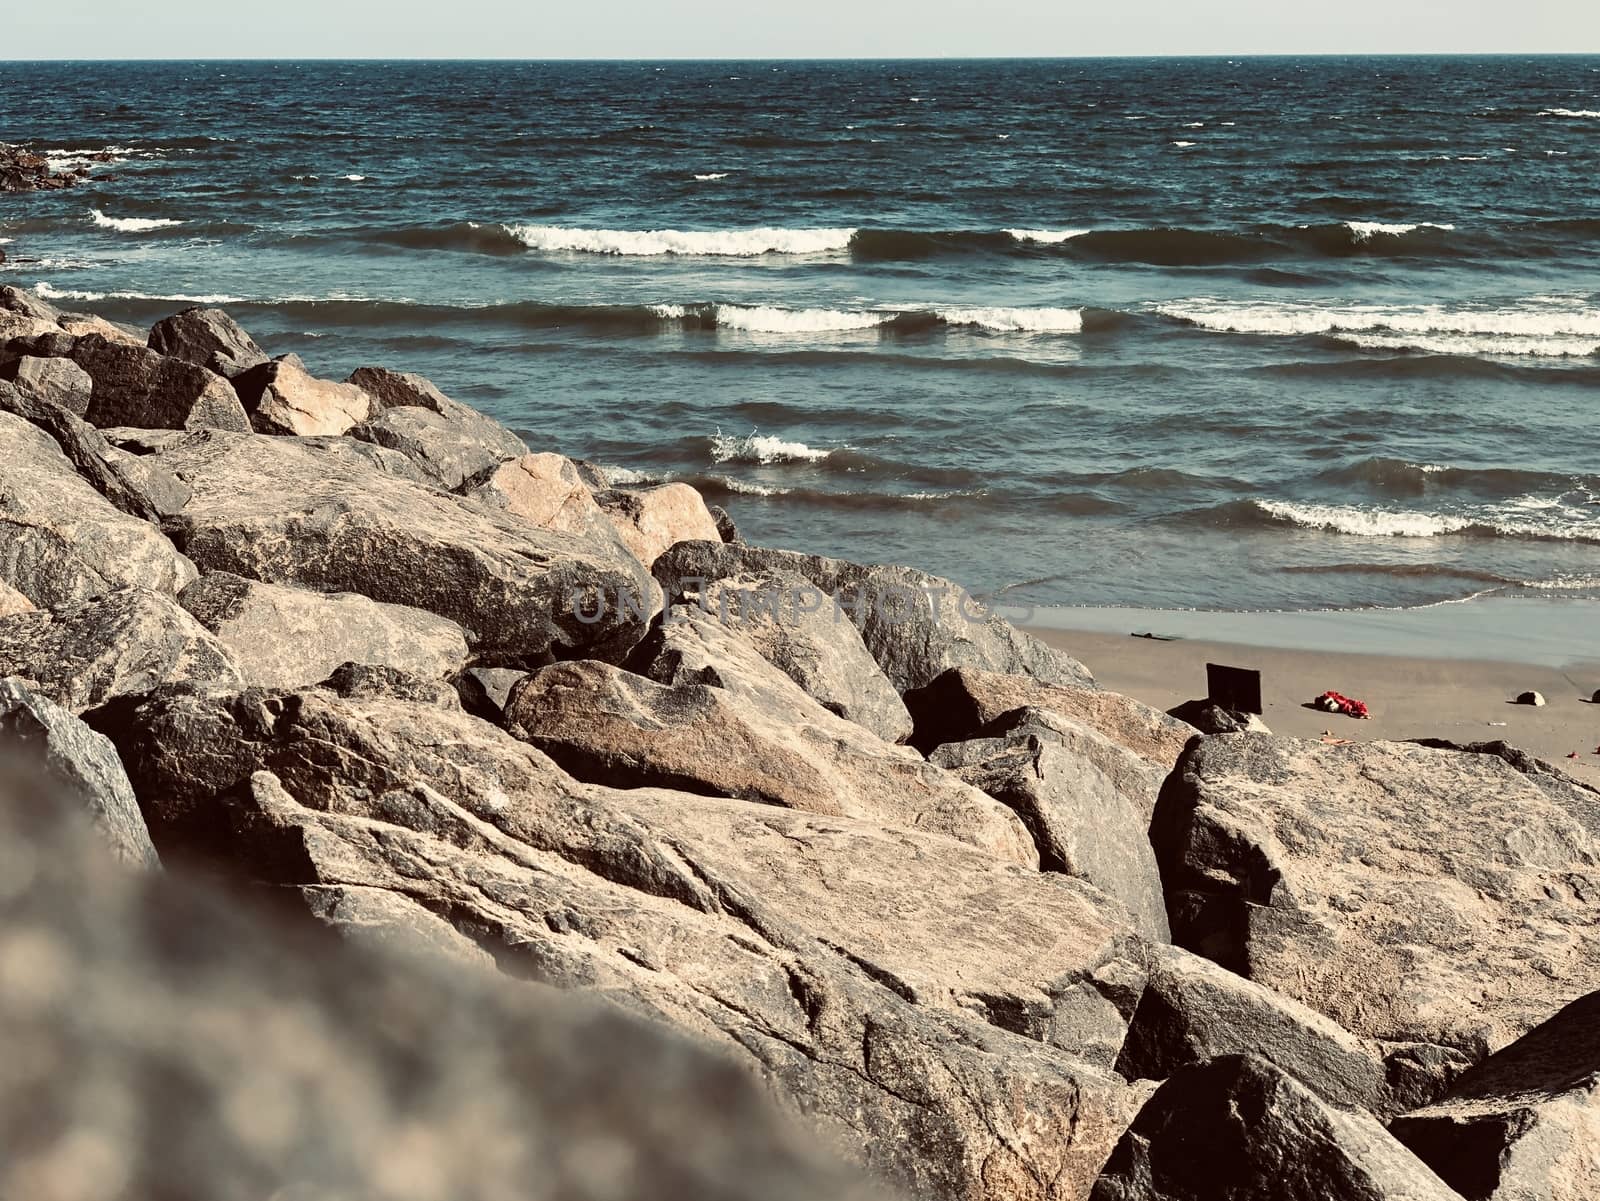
{"x":1333,"y":702}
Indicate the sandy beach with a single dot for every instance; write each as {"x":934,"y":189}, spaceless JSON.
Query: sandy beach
{"x":1465,"y":700}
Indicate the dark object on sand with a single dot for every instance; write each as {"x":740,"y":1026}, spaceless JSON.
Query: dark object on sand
{"x":1211,"y":718}
{"x":1154,"y":637}
{"x":1234,"y":688}
{"x":1595,"y":699}
{"x":1530,"y":698}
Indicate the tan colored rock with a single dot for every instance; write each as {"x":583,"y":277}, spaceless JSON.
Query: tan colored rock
{"x":1409,"y":893}
{"x":282,"y":397}
{"x":545,"y":489}
{"x":12,"y":601}
{"x":82,"y":324}
{"x":24,"y":325}
{"x":649,"y":520}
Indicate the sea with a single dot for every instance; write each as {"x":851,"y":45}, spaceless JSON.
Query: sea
{"x":1202,"y":333}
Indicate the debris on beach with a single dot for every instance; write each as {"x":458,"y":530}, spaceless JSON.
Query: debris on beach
{"x":1334,"y":702}
{"x":1535,"y":699}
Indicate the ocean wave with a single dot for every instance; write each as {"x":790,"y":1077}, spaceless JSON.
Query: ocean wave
{"x":131,"y":225}
{"x":1531,"y":518}
{"x":1363,"y":522}
{"x":1403,"y":477}
{"x":1365,"y":231}
{"x":763,"y":449}
{"x":1046,"y":237}
{"x":44,"y":289}
{"x":772,"y":319}
{"x":712,"y":176}
{"x":735,"y":243}
{"x":1571,"y":113}
{"x":1010,"y":320}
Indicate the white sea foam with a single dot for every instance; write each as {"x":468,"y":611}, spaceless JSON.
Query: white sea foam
{"x":1571,"y":113}
{"x":749,"y":488}
{"x":1014,"y":321}
{"x":711,"y":176}
{"x":1047,"y":237}
{"x":131,"y":225}
{"x":1365,"y":522}
{"x":1185,"y":144}
{"x":1194,"y":124}
{"x":45,"y":290}
{"x":741,"y":243}
{"x":769,"y":319}
{"x":354,"y":178}
{"x":670,"y":312}
{"x":1365,"y":230}
{"x":762,"y":448}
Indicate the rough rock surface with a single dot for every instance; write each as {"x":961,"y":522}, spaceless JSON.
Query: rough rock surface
{"x":485,"y":691}
{"x":85,"y":448}
{"x":856,"y":968}
{"x":169,"y":1041}
{"x":124,"y":643}
{"x":136,"y":386}
{"x":61,"y":542}
{"x":915,"y":625}
{"x":959,"y":704}
{"x":791,"y":625}
{"x":768,"y":743}
{"x":24,"y":171}
{"x":282,"y":397}
{"x":210,"y":338}
{"x":448,"y":441}
{"x":1525,"y":1123}
{"x":1237,"y":1128}
{"x":297,"y":511}
{"x":12,"y":601}
{"x":81,"y":325}
{"x":544,"y":489}
{"x":59,"y":381}
{"x":79,"y":765}
{"x":649,"y":520}
{"x":1411,"y":894}
{"x":282,"y":636}
{"x":1211,"y":718}
{"x":1080,"y":822}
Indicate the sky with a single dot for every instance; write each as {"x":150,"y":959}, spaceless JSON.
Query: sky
{"x":539,"y":29}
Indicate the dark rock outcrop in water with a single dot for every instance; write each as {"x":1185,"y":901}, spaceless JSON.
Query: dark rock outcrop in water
{"x":515,"y":729}
{"x":24,"y":171}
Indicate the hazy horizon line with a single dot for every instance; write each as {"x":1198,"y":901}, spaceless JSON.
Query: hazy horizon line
{"x":813,"y":58}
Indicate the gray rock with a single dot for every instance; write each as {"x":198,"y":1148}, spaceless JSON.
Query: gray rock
{"x":857,"y":969}
{"x":369,"y":681}
{"x":157,"y":488}
{"x":485,"y":691}
{"x":1580,"y":800}
{"x":318,"y":514}
{"x":1080,"y":823}
{"x":1238,"y":1128}
{"x":282,"y":636}
{"x":649,"y":520}
{"x":88,"y":452}
{"x":282,"y":397}
{"x":26,"y":304}
{"x":170,"y":1039}
{"x":122,"y":644}
{"x":725,"y":524}
{"x":1211,"y":718}
{"x":1524,"y":1123}
{"x":61,"y":542}
{"x":747,"y":732}
{"x":210,"y":338}
{"x":136,"y":386}
{"x":451,"y":446}
{"x":915,"y":625}
{"x":80,"y":764}
{"x":790,"y":624}
{"x":1411,"y":894}
{"x":59,"y":381}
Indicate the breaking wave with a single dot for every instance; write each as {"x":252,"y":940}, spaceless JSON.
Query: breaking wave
{"x":131,"y":225}
{"x":1530,"y":517}
{"x":740,"y":243}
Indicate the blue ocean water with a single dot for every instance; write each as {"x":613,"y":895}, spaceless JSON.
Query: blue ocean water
{"x":1257,"y":333}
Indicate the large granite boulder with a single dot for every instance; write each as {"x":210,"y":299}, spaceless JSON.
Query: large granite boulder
{"x":210,"y":338}
{"x":1080,"y":822}
{"x":124,"y":643}
{"x":916,"y":626}
{"x":649,"y":520}
{"x":61,"y":541}
{"x":282,"y":397}
{"x":165,"y":1040}
{"x":12,"y":601}
{"x":450,"y":442}
{"x":1411,"y":894}
{"x":1525,"y":1123}
{"x":59,"y":381}
{"x":925,"y":1005}
{"x":320,"y":515}
{"x":77,"y":765}
{"x":963,"y":702}
{"x":81,"y":325}
{"x":771,"y":744}
{"x":136,"y":386}
{"x":793,"y":626}
{"x":281,"y":636}
{"x":1238,"y":1129}
{"x":85,"y":448}
{"x":546,"y":490}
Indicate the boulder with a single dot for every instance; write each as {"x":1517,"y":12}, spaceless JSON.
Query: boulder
{"x":544,"y":489}
{"x":124,"y":643}
{"x":81,"y":325}
{"x":1211,"y":718}
{"x":649,"y":520}
{"x":136,"y":386}
{"x":1525,"y":1122}
{"x":210,"y":338}
{"x":173,"y":1041}
{"x":450,"y":442}
{"x":726,"y":529}
{"x":12,"y":601}
{"x":25,"y":304}
{"x":282,"y":397}
{"x":80,"y":766}
{"x":59,"y":381}
{"x":960,"y":703}
{"x":485,"y":691}
{"x":158,"y":489}
{"x":320,"y":515}
{"x":1238,"y":1128}
{"x":368,"y":681}
{"x":915,"y":625}
{"x":858,"y":969}
{"x":1411,"y":894}
{"x":1080,"y":823}
{"x":281,"y":636}
{"x":61,"y":541}
{"x":85,"y":448}
{"x":793,"y":626}
{"x":765,"y":742}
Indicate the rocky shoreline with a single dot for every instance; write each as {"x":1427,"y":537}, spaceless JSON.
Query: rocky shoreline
{"x":475,"y":722}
